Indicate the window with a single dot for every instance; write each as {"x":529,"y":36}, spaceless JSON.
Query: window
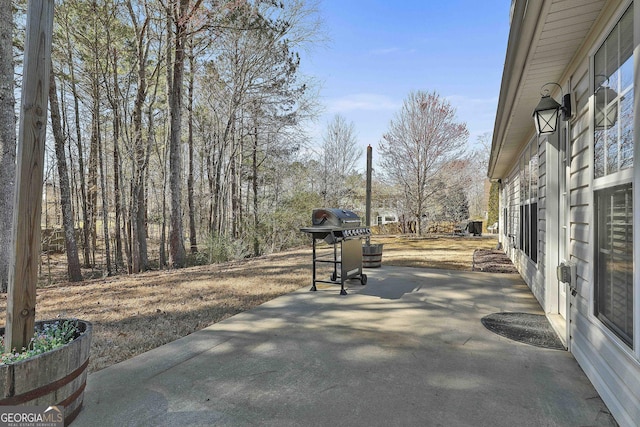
{"x":505,"y":221}
{"x":529,"y":201}
{"x":614,"y":299}
{"x":613,"y":164}
{"x":613,"y":83}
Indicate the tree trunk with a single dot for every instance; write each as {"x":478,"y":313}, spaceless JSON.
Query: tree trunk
{"x":86,"y":231}
{"x":138,"y":232}
{"x":177,"y":253}
{"x":234,"y":198}
{"x":105,"y":207}
{"x":73,"y":262}
{"x":163,"y":156}
{"x":119,"y":260}
{"x":7,"y":140}
{"x":218,"y":196}
{"x":138,"y":205}
{"x":117,"y":206}
{"x":92,"y":182}
{"x":210,"y":182}
{"x":192,"y":217}
{"x":256,"y":217}
{"x":163,"y":231}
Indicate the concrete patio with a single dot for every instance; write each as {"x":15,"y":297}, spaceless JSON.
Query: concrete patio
{"x":407,"y":349}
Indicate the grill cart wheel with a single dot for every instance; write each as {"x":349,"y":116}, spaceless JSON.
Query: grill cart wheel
{"x":363,"y":279}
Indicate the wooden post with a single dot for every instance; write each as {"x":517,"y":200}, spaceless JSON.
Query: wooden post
{"x":23,"y":271}
{"x":368,"y":191}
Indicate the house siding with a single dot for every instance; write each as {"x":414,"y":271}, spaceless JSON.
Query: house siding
{"x":532,"y":273}
{"x":535,"y":271}
{"x":512,"y":194}
{"x":542,"y":221}
{"x":612,"y":367}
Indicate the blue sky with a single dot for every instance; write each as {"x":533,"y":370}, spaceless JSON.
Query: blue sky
{"x":380,"y":50}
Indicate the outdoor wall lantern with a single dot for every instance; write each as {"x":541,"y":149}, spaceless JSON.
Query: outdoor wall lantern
{"x":546,"y":113}
{"x":605,"y":117}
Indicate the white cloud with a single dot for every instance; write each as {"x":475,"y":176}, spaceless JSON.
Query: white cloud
{"x":363,"y":102}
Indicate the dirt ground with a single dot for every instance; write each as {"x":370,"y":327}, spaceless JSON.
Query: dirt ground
{"x":132,"y":314}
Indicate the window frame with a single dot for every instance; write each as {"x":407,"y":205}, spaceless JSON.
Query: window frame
{"x":602,"y":184}
{"x":600,"y":308}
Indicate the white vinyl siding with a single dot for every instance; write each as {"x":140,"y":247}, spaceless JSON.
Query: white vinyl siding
{"x":521,"y":198}
{"x":610,"y":364}
{"x":542,"y":205}
{"x":579,"y":184}
{"x":601,"y":194}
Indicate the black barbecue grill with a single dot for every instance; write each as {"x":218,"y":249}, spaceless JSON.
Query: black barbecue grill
{"x":340,"y":228}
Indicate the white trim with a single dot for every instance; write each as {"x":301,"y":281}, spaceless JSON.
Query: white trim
{"x":595,"y":368}
{"x":615,"y":17}
{"x":564,"y":215}
{"x":590,"y":169}
{"x":552,"y":221}
{"x":636,"y":180}
{"x":618,"y":178}
{"x":624,"y":176}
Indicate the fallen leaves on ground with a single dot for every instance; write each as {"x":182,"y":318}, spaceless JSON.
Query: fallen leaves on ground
{"x":492,"y":261}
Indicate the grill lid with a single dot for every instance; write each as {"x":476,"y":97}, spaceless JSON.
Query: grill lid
{"x":334,"y":218}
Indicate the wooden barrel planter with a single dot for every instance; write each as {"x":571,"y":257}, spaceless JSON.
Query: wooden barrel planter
{"x":372,"y":256}
{"x":55,"y":378}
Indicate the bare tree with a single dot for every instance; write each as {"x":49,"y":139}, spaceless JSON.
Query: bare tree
{"x":7,"y":139}
{"x":249,"y":99}
{"x":423,"y":138}
{"x":340,"y":154}
{"x":69,"y":19}
{"x":237,"y":100}
{"x":112,"y":86}
{"x":477,"y":171}
{"x":140,"y":147}
{"x":73,"y":262}
{"x":193,"y":241}
{"x":448,"y":202}
{"x":183,"y":12}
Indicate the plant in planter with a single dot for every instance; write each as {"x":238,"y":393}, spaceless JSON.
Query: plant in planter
{"x":52,"y":370}
{"x":47,"y":336}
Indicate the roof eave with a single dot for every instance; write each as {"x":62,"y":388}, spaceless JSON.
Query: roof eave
{"x":524,"y":24}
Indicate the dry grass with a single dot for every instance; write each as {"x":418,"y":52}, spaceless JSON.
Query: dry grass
{"x":133,"y":314}
{"x":444,"y":252}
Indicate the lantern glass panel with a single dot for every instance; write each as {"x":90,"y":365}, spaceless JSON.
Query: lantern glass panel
{"x":546,"y":121}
